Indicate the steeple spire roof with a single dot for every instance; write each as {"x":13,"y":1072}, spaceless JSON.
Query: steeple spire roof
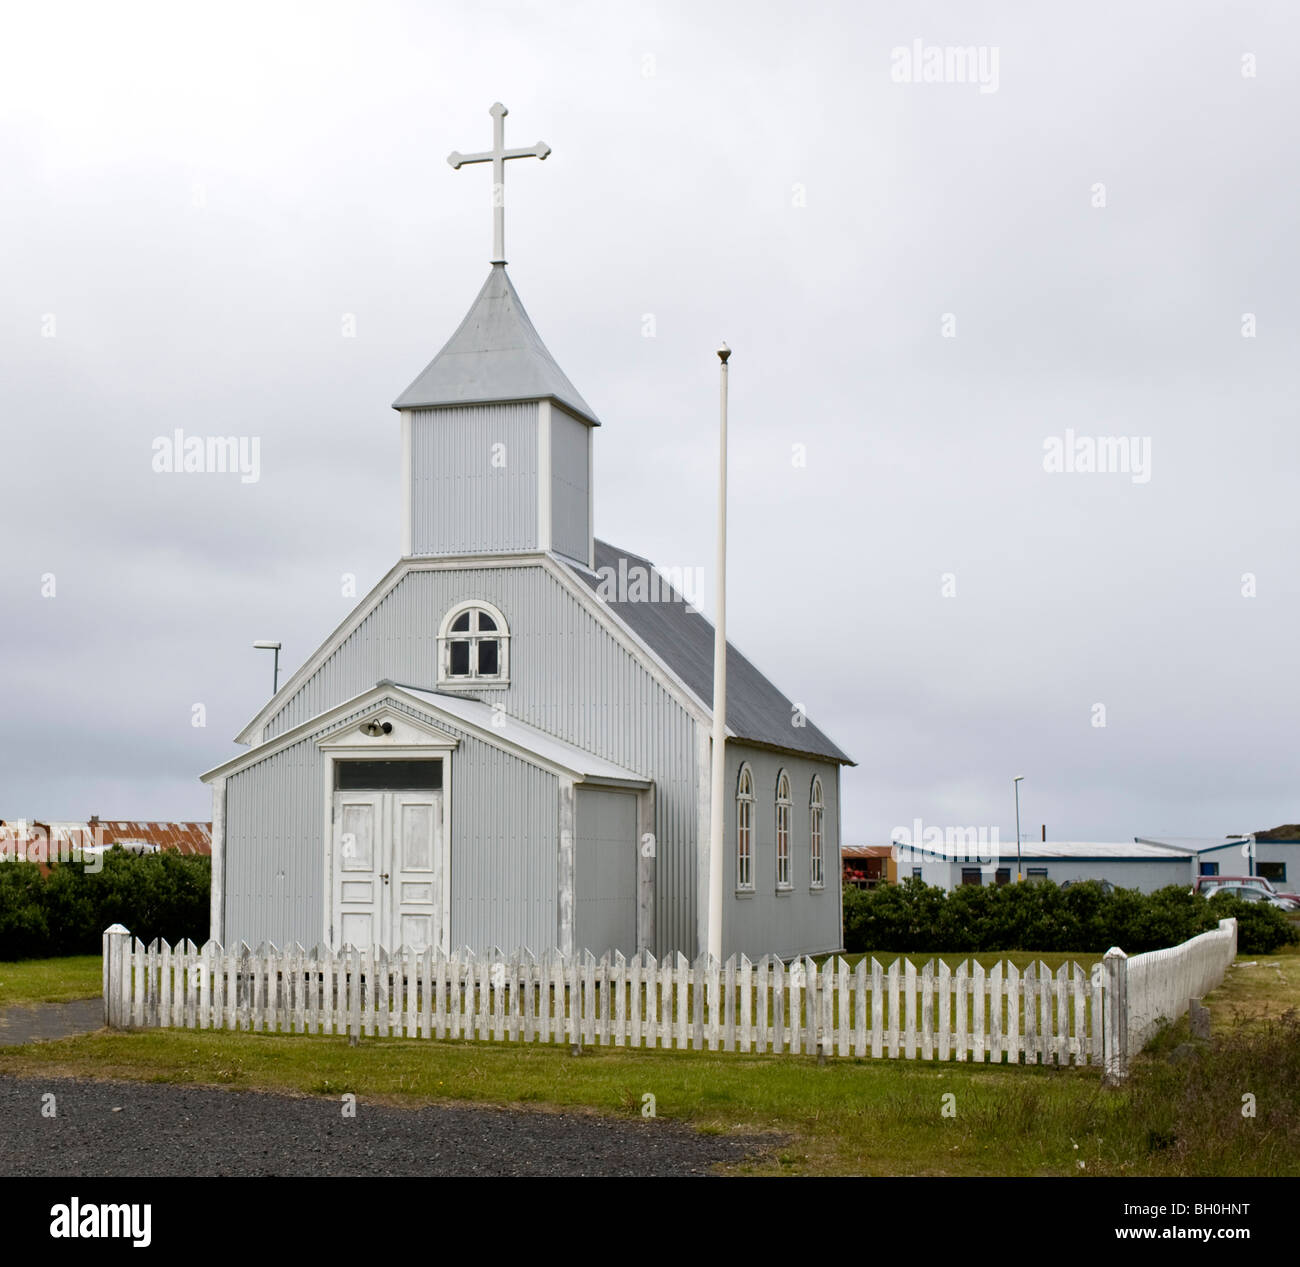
{"x":495,"y":355}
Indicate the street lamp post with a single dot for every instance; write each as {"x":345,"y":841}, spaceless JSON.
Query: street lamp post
{"x":275,"y":673}
{"x":1016,"y":782}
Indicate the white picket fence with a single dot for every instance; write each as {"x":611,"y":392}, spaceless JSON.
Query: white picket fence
{"x":1160,"y":982}
{"x":930,"y":1012}
{"x":998,"y":1015}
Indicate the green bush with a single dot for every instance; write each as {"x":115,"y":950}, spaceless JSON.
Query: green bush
{"x":162,"y":895}
{"x":913,"y":916}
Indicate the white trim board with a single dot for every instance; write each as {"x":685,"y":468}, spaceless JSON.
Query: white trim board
{"x":526,"y":742}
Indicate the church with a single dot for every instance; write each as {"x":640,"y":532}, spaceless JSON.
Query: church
{"x":507,"y":743}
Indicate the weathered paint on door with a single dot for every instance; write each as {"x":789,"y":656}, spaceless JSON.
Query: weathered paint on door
{"x":387,"y":884}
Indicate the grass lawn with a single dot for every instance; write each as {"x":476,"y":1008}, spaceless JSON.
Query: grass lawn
{"x":848,"y":1117}
{"x":51,"y":980}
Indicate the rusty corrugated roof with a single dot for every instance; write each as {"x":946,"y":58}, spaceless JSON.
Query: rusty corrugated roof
{"x":866,"y":851}
{"x":188,"y":838}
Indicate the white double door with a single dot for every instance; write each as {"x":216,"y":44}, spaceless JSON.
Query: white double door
{"x":389,"y":869}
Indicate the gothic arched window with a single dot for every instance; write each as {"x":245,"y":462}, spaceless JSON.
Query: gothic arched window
{"x":783,"y":831}
{"x":474,"y":646}
{"x":745,"y":829}
{"x":816,"y":812}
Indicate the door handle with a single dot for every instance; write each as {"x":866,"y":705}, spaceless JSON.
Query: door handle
{"x":384,"y":876}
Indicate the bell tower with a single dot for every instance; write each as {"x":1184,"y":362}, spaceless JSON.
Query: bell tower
{"x":496,"y":441}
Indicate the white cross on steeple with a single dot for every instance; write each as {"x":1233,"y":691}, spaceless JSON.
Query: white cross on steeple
{"x":497,"y":156}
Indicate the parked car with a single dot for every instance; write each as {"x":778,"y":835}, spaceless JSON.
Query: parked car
{"x":1204,"y":883}
{"x":1249,"y":893}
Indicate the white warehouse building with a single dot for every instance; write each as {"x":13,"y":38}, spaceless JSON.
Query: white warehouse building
{"x":1143,"y":863}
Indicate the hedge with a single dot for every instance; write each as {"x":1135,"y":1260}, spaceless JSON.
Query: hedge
{"x":913,"y":916}
{"x":66,"y":911}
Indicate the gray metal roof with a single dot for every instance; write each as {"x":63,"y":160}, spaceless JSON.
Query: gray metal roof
{"x":495,"y":355}
{"x":1193,"y":844}
{"x":683,"y":639}
{"x":1064,"y":851}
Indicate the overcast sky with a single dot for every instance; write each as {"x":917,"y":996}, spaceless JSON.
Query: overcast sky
{"x":924,"y":283}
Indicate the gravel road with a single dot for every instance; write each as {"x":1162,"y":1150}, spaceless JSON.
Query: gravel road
{"x":166,"y":1129}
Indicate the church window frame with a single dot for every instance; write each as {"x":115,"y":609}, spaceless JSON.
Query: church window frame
{"x":474,"y":646}
{"x":783,"y":803}
{"x":816,"y":834}
{"x":745,"y":829}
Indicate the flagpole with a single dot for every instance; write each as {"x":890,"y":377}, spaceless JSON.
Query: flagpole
{"x":719,"y":769}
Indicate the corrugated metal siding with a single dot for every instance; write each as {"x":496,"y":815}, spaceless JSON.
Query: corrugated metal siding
{"x":503,"y":846}
{"x":570,"y":530}
{"x":803,"y":920}
{"x":460,"y":502}
{"x":503,"y":850}
{"x":568,"y":677}
{"x":605,"y":864}
{"x":274,"y":853}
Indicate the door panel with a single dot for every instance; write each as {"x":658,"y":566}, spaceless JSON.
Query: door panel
{"x":389,"y":869}
{"x":417,"y":848}
{"x":359,"y":832}
{"x":358,"y":826}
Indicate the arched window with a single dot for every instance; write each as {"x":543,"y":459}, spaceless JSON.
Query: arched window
{"x":782,"y":831}
{"x":474,"y":646}
{"x":816,"y":809}
{"x":745,"y":829}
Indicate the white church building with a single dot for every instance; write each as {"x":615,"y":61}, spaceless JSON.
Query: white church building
{"x":503,"y":746}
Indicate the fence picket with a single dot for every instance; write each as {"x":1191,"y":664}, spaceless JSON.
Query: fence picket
{"x":892,"y":992}
{"x":1014,"y":1046}
{"x":164,"y":986}
{"x":634,"y":973}
{"x":728,"y":1014}
{"x":961,"y":1030}
{"x":978,"y":987}
{"x":826,"y":1039}
{"x":1029,"y":982}
{"x":909,"y":1009}
{"x":927,"y":1010}
{"x":945,"y":1010}
{"x":843,"y":999}
{"x":860,"y":1048}
{"x":744,"y":983}
{"x":1062,"y":1017}
{"x":793,"y":1006}
{"x":877,"y":1010}
{"x":1045,"y":1012}
{"x":995,"y":1013}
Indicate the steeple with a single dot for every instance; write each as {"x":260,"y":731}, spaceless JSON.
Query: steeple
{"x":496,"y":441}
{"x":495,"y":355}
